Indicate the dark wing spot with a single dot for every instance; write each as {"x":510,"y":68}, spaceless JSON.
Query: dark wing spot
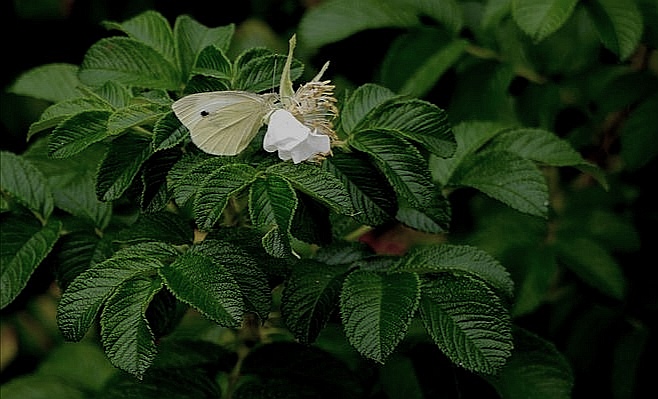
{"x":204,"y":113}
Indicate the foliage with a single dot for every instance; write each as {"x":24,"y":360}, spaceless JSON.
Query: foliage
{"x":245,"y":276}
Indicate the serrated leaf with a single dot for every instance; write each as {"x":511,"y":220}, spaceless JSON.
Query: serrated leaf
{"x":540,"y":18}
{"x":416,"y":120}
{"x":77,"y":133}
{"x":467,"y":321}
{"x":155,"y":193}
{"x":505,"y":176}
{"x":458,"y":259}
{"x":78,"y":252}
{"x":207,"y":286}
{"x":535,"y":370}
{"x":168,"y":132}
{"x":216,"y":189}
{"x":433,"y":218}
{"x":373,"y":199}
{"x":115,"y":93}
{"x":24,"y":182}
{"x":191,"y":38}
{"x":310,"y":296}
{"x":263,"y":73}
{"x":126,"y":335}
{"x":120,"y":166}
{"x":60,"y":111}
{"x":319,"y":184}
{"x":400,"y":162}
{"x":129,"y":62}
{"x":593,"y":264}
{"x":620,"y":25}
{"x":22,"y":252}
{"x":50,"y":82}
{"x":133,"y":115}
{"x":151,"y":28}
{"x":244,"y":267}
{"x":272,"y":205}
{"x":85,"y":296}
{"x":376,"y":310}
{"x":187,"y":175}
{"x":161,"y":226}
{"x":363,"y":100}
{"x":213,"y":62}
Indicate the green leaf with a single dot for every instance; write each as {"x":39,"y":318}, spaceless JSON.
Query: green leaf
{"x":134,"y":115}
{"x":22,"y":251}
{"x":401,"y":163}
{"x":40,"y":387}
{"x":416,"y":120}
{"x":207,"y":286}
{"x":363,"y":100}
{"x":620,"y":25}
{"x":155,"y":194}
{"x":58,"y":112}
{"x":467,"y":321}
{"x":458,"y":259}
{"x":272,"y":205}
{"x":213,"y":62}
{"x":244,"y":266}
{"x":376,"y":310}
{"x":540,"y":18}
{"x":125,"y":333}
{"x":638,"y":137}
{"x":217,"y":189}
{"x":83,"y":298}
{"x":50,"y":82}
{"x":433,"y":218}
{"x":188,"y":174}
{"x":77,"y":252}
{"x":77,"y":133}
{"x":120,"y":166}
{"x":161,"y":226}
{"x":592,"y":263}
{"x":80,"y":364}
{"x":129,"y":62}
{"x":191,"y":38}
{"x":319,"y":184}
{"x":263,"y":72}
{"x":373,"y":199}
{"x":150,"y":28}
{"x":310,"y":296}
{"x":505,"y":176}
{"x":535,"y":370}
{"x":23,"y":181}
{"x":168,"y":132}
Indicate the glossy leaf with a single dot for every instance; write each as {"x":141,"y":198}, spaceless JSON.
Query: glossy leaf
{"x":540,"y":18}
{"x":619,"y":24}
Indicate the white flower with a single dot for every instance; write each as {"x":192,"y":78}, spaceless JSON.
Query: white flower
{"x":292,"y":139}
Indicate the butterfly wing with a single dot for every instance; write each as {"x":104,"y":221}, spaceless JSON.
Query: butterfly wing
{"x":223,"y":122}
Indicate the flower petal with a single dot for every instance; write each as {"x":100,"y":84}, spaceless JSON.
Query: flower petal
{"x":284,"y":132}
{"x":313,"y":145}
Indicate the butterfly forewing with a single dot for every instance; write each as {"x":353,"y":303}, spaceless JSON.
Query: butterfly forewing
{"x":223,"y":122}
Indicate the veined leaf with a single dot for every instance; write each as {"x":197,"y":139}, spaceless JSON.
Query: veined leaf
{"x":373,"y":199}
{"x":155,"y":194}
{"x":78,"y":252}
{"x":416,"y":120}
{"x":84,"y":297}
{"x":458,"y":259}
{"x":363,"y":100}
{"x":400,"y":162}
{"x":134,"y":115}
{"x":120,"y":166}
{"x":115,"y":93}
{"x":50,"y":82}
{"x":161,"y":226}
{"x":168,"y":132}
{"x":216,"y":190}
{"x":319,"y":184}
{"x":467,"y":321}
{"x":58,"y":112}
{"x":433,"y":218}
{"x":213,"y":62}
{"x":150,"y":28}
{"x":376,"y":310}
{"x":129,"y":62}
{"x":540,"y":18}
{"x":191,"y":38}
{"x":207,"y":286}
{"x":310,"y":296}
{"x":244,"y":267}
{"x":126,"y":335}
{"x":272,"y":205}
{"x":258,"y":73}
{"x":620,"y":25}
{"x":535,"y":370}
{"x":77,"y":133}
{"x":188,"y":174}
{"x":24,"y":182}
{"x":506,"y":177}
{"x":23,"y":248}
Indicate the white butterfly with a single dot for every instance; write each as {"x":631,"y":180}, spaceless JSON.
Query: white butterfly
{"x":224,"y":122}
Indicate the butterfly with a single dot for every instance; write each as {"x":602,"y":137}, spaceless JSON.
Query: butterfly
{"x":224,"y":122}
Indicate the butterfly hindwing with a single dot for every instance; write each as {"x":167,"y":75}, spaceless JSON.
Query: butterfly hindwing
{"x":223,"y":122}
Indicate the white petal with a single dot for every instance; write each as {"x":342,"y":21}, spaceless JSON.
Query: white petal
{"x":313,"y":145}
{"x":284,"y":132}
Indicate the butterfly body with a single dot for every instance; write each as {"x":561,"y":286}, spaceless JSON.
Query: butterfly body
{"x":224,"y":122}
